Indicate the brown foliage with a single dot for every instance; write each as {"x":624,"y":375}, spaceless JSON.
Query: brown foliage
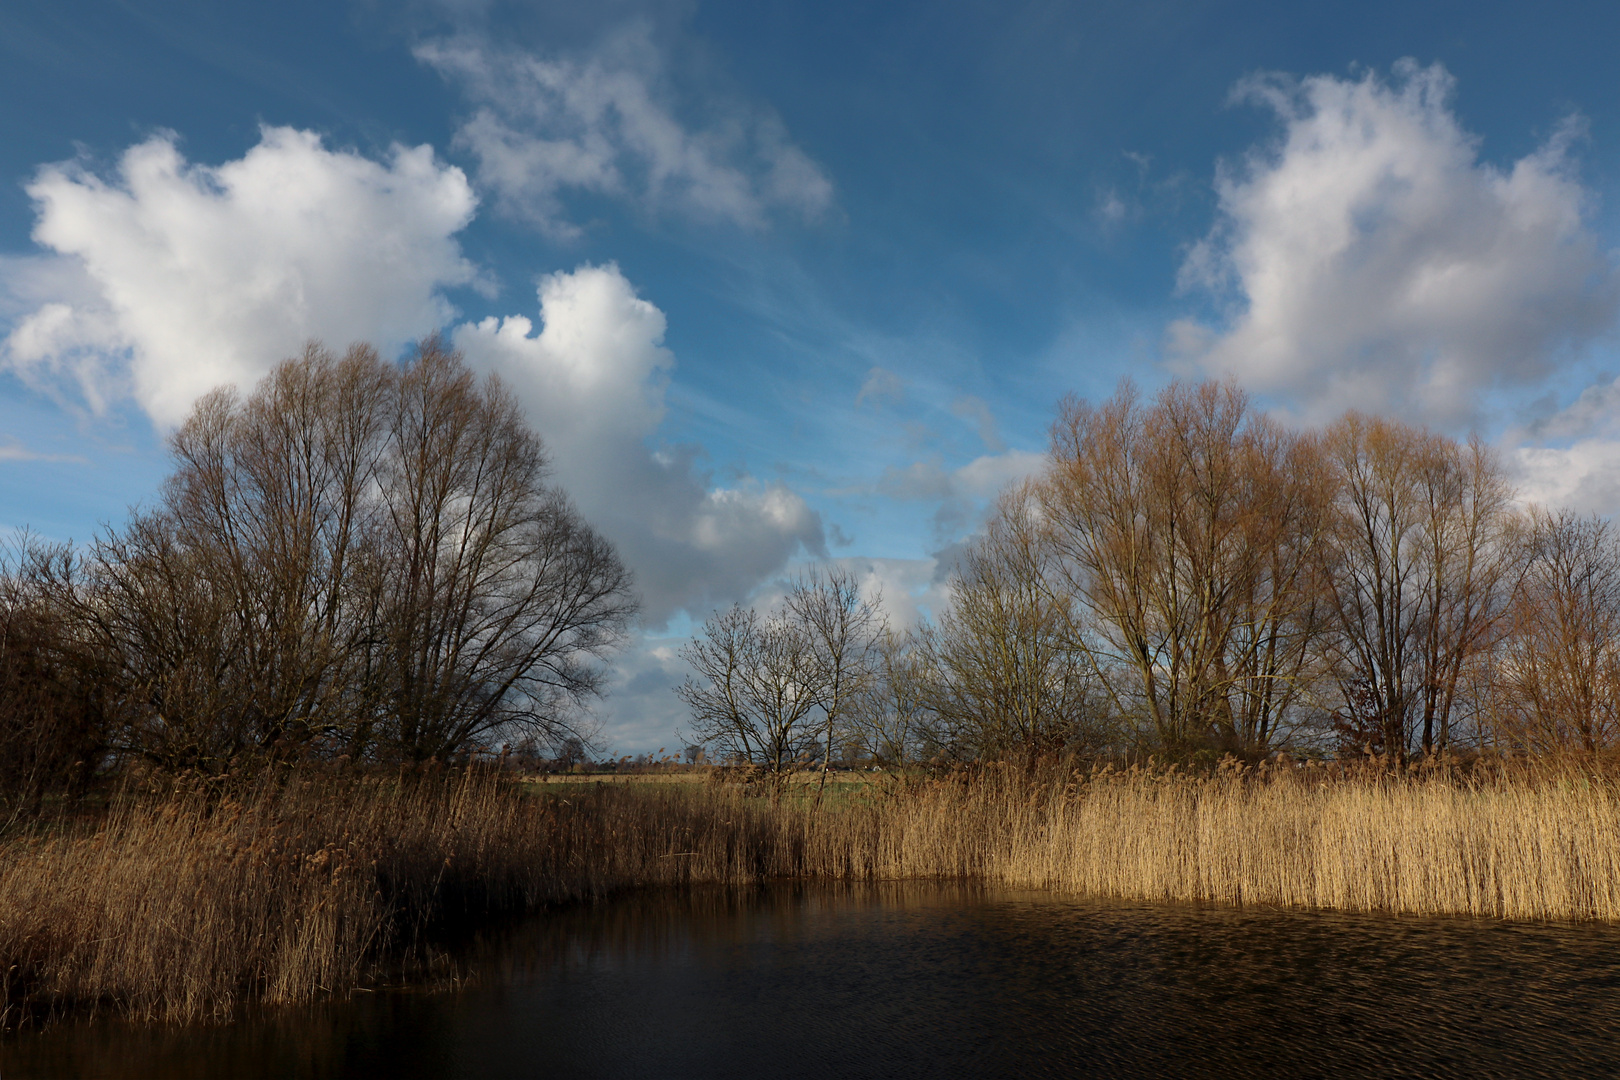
{"x":1238,"y":585}
{"x":1189,"y":533}
{"x":1557,"y":672}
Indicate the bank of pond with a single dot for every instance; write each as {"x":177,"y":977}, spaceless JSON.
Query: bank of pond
{"x":322,"y":914}
{"x":924,"y":979}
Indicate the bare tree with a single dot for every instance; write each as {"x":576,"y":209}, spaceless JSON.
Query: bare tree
{"x":496,"y":595}
{"x":842,"y":630}
{"x":1186,"y":532}
{"x":359,"y":557}
{"x":893,"y":720}
{"x":1419,"y":572}
{"x":1005,"y":671}
{"x":172,"y":642}
{"x":1558,"y":671}
{"x":54,"y":706}
{"x":755,"y":689}
{"x":272,"y":502}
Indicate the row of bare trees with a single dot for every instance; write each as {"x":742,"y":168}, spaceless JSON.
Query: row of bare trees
{"x":1240,"y":584}
{"x":1190,"y":577}
{"x":781,"y":688}
{"x":359,"y":558}
{"x":822,"y":675}
{"x":1374,"y":586}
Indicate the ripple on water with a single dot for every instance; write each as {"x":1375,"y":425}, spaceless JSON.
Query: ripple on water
{"x":934,"y":980}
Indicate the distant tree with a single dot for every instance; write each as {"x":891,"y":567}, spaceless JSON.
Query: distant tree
{"x":842,"y":630}
{"x":893,"y":721}
{"x":1557,"y":671}
{"x":786,"y":686}
{"x":1002,"y":666}
{"x":570,"y":752}
{"x":755,"y":688}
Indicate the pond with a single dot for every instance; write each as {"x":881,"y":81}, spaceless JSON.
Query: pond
{"x":932,"y":980}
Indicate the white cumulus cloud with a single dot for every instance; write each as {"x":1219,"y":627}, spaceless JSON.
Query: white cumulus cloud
{"x":1571,"y":459}
{"x":170,"y":278}
{"x":1583,"y":476}
{"x":187,"y":276}
{"x":1378,"y":262}
{"x":592,"y":378}
{"x":606,"y":125}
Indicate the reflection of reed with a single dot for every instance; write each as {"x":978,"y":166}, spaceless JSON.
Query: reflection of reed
{"x":184,"y":906}
{"x":697,"y":922}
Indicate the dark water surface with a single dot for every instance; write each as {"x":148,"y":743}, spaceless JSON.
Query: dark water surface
{"x":926,"y":981}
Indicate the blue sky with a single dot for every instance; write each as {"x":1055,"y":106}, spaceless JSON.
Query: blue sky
{"x":782,"y":282}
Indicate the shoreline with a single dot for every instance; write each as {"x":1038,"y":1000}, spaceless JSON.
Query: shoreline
{"x":186,"y":906}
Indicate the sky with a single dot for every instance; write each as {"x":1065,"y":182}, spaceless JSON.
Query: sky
{"x":783,"y":283}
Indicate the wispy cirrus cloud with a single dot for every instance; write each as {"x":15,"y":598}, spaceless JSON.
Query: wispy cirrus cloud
{"x":977,"y":411}
{"x":881,"y":386}
{"x":12,"y":450}
{"x":546,"y":128}
{"x":961,"y":494}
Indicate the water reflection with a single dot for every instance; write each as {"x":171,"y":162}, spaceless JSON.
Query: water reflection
{"x":923,"y":980}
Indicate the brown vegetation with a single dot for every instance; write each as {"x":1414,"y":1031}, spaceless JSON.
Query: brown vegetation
{"x":362,"y":564}
{"x":1189,"y":579}
{"x":1188,"y":533}
{"x":187,"y":904}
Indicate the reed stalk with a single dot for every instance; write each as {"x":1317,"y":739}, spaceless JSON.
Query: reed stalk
{"x":186,"y":905}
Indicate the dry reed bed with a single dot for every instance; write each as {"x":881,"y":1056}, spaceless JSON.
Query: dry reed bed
{"x":185,"y":906}
{"x":182,"y":906}
{"x":1508,"y":849}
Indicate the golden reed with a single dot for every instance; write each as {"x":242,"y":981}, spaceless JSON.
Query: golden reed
{"x":186,"y":905}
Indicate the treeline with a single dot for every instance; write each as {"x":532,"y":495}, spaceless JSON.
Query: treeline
{"x":1190,"y":579}
{"x":359,"y":559}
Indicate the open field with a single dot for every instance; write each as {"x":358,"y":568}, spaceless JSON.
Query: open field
{"x":842,"y":788}
{"x":185,"y":905}
{"x":695,"y":775}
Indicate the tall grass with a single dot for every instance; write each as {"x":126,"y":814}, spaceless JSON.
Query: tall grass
{"x":1516,"y":848}
{"x":186,"y":905}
